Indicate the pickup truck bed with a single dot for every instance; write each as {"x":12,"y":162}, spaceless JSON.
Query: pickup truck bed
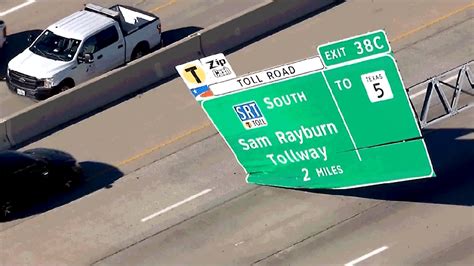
{"x":135,"y":26}
{"x":132,"y":19}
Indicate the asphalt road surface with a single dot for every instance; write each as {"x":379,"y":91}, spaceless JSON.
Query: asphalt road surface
{"x":178,"y":18}
{"x":163,"y":188}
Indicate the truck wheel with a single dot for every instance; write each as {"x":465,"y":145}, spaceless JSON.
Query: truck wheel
{"x":139,"y":51}
{"x":63,"y":87}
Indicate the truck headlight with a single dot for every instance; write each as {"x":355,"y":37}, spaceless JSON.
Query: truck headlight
{"x":47,"y":83}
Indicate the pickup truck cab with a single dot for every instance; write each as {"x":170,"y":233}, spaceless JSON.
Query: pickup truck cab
{"x":3,"y":33}
{"x":82,"y":46}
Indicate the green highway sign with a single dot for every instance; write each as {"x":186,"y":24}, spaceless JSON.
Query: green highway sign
{"x":354,"y":48}
{"x":344,"y":126}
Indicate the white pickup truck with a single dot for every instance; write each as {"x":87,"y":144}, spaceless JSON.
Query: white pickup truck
{"x":3,"y":33}
{"x":82,"y":46}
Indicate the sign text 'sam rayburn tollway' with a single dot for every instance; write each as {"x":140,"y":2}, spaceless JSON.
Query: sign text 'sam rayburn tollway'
{"x":344,"y":126}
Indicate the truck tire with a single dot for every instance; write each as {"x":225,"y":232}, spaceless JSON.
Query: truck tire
{"x":65,"y":85}
{"x":140,"y":50}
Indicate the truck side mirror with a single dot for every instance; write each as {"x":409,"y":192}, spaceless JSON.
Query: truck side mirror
{"x":85,"y":58}
{"x":88,"y":58}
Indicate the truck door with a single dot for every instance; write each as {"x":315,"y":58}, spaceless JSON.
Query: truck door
{"x":110,"y":50}
{"x":107,"y":48}
{"x":85,"y":71}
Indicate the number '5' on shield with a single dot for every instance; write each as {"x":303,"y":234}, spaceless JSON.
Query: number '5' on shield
{"x":377,"y":86}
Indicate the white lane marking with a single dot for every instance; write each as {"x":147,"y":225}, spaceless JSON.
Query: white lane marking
{"x":450,"y":78}
{"x":15,"y":8}
{"x":423,"y":91}
{"x":176,"y":205}
{"x":417,"y":94}
{"x":239,"y":243}
{"x":366,"y":256}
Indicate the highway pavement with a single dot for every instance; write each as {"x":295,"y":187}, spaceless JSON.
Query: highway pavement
{"x":178,"y":18}
{"x":163,"y":188}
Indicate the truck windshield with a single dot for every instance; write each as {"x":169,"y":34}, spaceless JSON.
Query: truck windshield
{"x":55,"y":47}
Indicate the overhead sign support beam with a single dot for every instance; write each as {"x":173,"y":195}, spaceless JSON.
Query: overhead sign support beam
{"x":464,"y":82}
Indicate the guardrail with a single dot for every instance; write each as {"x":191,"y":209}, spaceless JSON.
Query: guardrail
{"x":450,"y":104}
{"x":4,"y":142}
{"x":87,"y":97}
{"x":90,"y":96}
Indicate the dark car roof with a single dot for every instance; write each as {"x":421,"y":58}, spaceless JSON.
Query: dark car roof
{"x":50,"y":155}
{"x":12,"y":161}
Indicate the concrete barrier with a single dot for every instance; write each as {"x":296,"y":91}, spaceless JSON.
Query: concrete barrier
{"x":92,"y":95}
{"x":87,"y":97}
{"x":4,"y":142}
{"x":253,"y":23}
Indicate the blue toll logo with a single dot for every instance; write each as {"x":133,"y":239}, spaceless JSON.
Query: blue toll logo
{"x":250,"y":115}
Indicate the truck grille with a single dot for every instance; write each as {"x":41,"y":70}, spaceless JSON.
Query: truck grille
{"x":22,"y":80}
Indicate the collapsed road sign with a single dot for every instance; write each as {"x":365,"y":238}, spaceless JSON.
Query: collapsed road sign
{"x":334,"y":124}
